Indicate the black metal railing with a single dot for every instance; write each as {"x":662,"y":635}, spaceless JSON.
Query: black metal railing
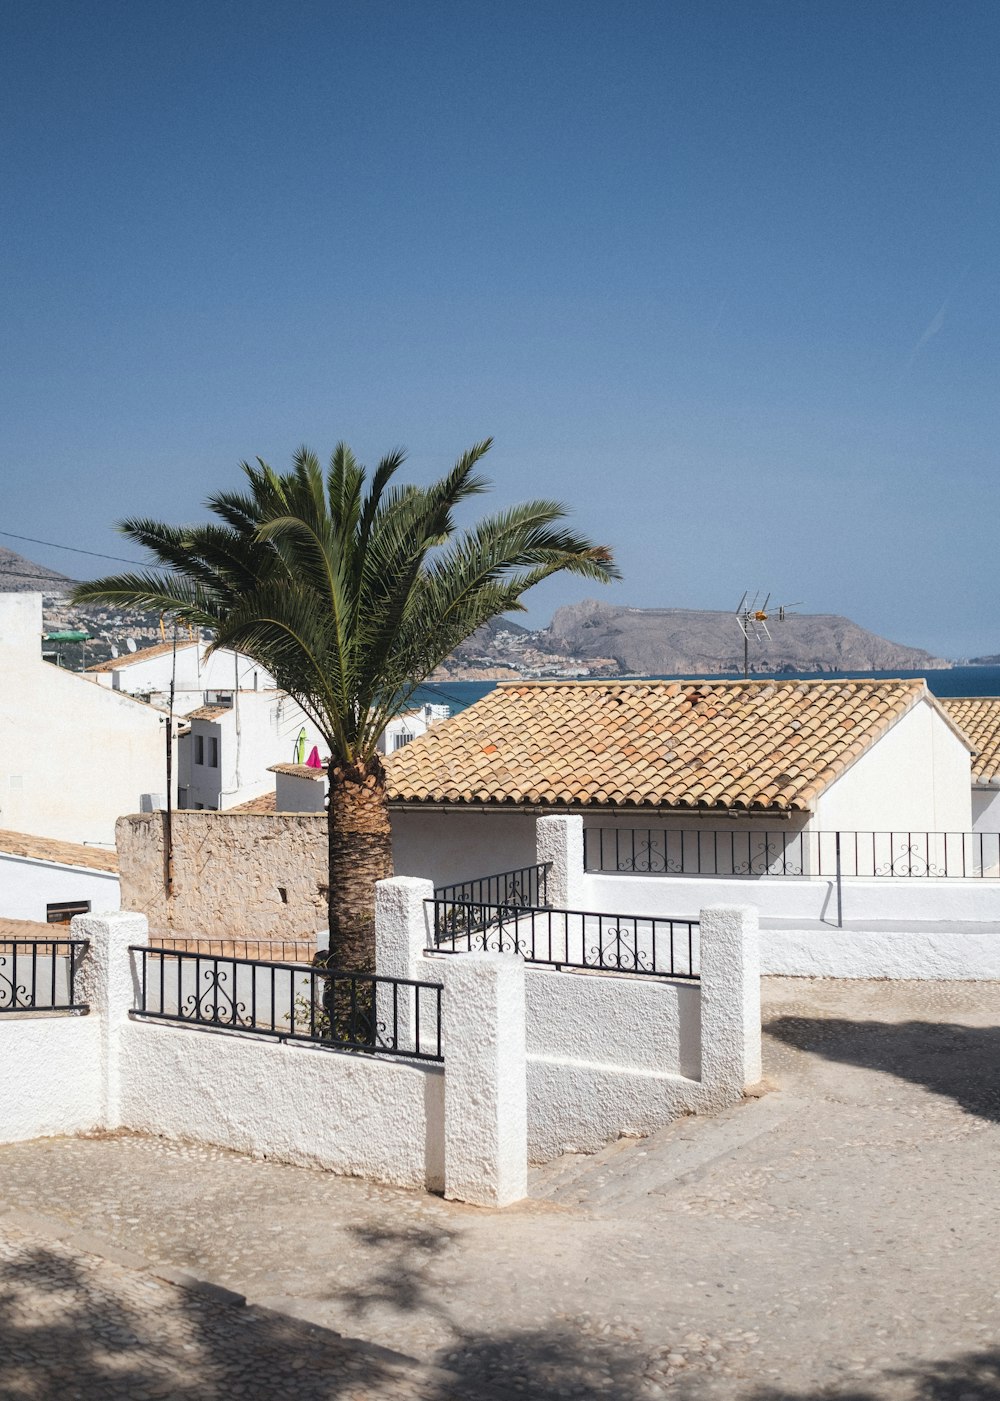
{"x":291,"y":1001}
{"x":608,"y":943}
{"x":524,"y":888}
{"x":752,"y":852}
{"x":39,"y":975}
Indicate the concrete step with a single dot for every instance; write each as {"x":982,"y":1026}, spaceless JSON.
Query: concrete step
{"x":625,"y":1175}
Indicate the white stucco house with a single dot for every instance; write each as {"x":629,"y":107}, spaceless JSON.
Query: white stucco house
{"x":299,"y":788}
{"x":37,"y":872}
{"x":74,"y":756}
{"x":200,"y":680}
{"x":979,"y":718}
{"x":653,"y":756}
{"x":226,"y":756}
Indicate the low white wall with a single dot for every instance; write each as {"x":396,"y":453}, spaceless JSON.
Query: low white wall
{"x":28,"y":885}
{"x":948,"y":953}
{"x":50,"y":1075}
{"x":607,"y":1055}
{"x":792,"y":897}
{"x":619,"y":1021}
{"x":575,"y":1107}
{"x":359,"y":1116}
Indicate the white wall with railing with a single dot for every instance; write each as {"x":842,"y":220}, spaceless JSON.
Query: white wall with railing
{"x":608,"y":1052}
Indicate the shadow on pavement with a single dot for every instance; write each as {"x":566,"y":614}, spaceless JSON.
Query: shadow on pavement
{"x":973,"y":1376}
{"x":80,"y":1327}
{"x":77,"y":1327}
{"x":960,"y":1062}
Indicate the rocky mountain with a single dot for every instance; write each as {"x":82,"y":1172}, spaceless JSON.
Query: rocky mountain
{"x":20,"y":575}
{"x":600,"y":639}
{"x":657,"y":641}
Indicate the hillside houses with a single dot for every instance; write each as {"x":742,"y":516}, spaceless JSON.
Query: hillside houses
{"x":199,"y":679}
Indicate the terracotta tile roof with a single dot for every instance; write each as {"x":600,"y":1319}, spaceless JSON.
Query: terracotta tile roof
{"x":95,"y":858}
{"x":771,"y":745}
{"x":267,"y":802}
{"x":209,"y":712}
{"x":297,"y":770}
{"x":978,"y":717}
{"x":32,"y":929}
{"x":159,"y":649}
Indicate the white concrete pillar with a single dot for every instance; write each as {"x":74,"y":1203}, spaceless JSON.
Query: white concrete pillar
{"x":403,"y":924}
{"x":485,"y":1077}
{"x":109,"y":982}
{"x":730,"y":1000}
{"x":559,"y":840}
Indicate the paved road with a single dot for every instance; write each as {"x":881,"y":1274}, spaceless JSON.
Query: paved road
{"x":837,"y":1237}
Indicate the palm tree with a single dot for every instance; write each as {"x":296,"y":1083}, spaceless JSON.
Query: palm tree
{"x":350,"y":591}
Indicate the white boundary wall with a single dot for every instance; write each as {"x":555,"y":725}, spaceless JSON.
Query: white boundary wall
{"x":954,"y":952}
{"x":360,"y":1116}
{"x":913,"y":928}
{"x":793,"y":897}
{"x":392,"y":1120}
{"x":535,"y":1061}
{"x":50,"y":1075}
{"x":27,"y":885}
{"x":610,"y":1054}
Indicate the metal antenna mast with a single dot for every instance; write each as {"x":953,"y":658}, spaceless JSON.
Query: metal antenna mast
{"x":753,"y":617}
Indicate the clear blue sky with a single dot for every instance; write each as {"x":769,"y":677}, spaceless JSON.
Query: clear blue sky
{"x":720,"y":274}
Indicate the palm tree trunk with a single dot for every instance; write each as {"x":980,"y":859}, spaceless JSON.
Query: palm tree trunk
{"x":360,"y":855}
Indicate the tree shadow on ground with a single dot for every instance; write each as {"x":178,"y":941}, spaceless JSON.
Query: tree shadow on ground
{"x":971,"y":1376}
{"x":952,"y":1060}
{"x":75,"y":1325}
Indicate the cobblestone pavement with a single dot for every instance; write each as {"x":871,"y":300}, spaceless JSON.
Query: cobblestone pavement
{"x":838,"y":1237}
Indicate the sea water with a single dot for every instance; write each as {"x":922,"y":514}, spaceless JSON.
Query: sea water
{"x":948,"y":681}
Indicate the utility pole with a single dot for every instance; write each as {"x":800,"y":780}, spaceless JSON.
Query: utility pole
{"x":168,"y":826}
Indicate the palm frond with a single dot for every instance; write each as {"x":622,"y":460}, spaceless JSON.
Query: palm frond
{"x":349,"y":589}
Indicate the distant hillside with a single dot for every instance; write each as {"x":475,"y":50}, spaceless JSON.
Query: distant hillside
{"x":20,"y":575}
{"x":657,"y":641}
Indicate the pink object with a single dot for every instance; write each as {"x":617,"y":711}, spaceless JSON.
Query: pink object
{"x":313,"y":761}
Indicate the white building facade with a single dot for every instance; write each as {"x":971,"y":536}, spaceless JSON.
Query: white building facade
{"x":74,"y":756}
{"x":199,"y":679}
{"x":225,"y":758}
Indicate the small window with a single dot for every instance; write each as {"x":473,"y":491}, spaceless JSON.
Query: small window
{"x":199,"y":749}
{"x":399,"y":740}
{"x":213,"y":752}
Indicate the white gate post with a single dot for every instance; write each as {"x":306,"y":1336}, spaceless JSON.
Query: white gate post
{"x":485,"y":1077}
{"x":109,"y":984}
{"x":730,"y":1000}
{"x":402,"y":926}
{"x":559,"y":841}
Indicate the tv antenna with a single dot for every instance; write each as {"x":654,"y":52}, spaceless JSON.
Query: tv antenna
{"x":753,"y":616}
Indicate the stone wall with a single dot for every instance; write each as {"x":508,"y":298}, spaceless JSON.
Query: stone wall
{"x":237,"y":875}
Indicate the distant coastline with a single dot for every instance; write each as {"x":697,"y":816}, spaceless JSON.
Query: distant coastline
{"x":942,"y":681}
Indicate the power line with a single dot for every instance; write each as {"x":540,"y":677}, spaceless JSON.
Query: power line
{"x":74,"y":549}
